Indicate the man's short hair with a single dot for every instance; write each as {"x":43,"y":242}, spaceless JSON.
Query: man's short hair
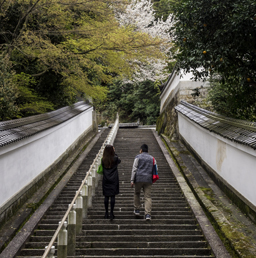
{"x":144,"y":148}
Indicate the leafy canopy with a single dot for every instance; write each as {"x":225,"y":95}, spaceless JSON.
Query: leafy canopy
{"x":218,"y":39}
{"x":59,"y":50}
{"x":132,"y":101}
{"x":217,"y":36}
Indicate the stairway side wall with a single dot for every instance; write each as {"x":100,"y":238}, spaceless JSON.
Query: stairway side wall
{"x":230,"y":164}
{"x":26,"y":164}
{"x":178,"y":88}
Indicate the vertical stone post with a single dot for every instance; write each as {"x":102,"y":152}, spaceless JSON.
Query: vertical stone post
{"x":62,"y":241}
{"x":79,"y":213}
{"x":96,"y":176}
{"x":51,"y":253}
{"x":72,"y":232}
{"x":85,"y":199}
{"x":89,"y":190}
{"x":93,"y":171}
{"x":94,"y":120}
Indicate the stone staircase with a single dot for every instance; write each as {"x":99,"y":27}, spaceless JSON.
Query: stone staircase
{"x":172,"y":232}
{"x":35,"y":246}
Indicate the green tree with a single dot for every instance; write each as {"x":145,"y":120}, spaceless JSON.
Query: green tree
{"x":132,"y":101}
{"x":219,"y":37}
{"x":233,"y":100}
{"x":8,"y":92}
{"x":64,"y":49}
{"x":163,"y":8}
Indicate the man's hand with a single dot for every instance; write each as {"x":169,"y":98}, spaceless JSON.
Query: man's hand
{"x":132,"y":184}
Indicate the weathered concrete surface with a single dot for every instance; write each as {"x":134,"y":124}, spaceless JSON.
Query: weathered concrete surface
{"x":7,"y":231}
{"x":232,"y":224}
{"x":216,"y":244}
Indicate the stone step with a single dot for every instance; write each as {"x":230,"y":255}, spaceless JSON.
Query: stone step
{"x":130,"y":251}
{"x":127,"y":256}
{"x":120,"y":215}
{"x":56,"y":215}
{"x":127,"y":238}
{"x":144,"y":232}
{"x":168,"y":219}
{"x":141,"y":219}
{"x":143,"y":251}
{"x":147,"y":226}
{"x":140,"y":244}
{"x":98,"y":206}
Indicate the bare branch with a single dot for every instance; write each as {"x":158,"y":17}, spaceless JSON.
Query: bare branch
{"x":6,"y":32}
{"x":39,"y":74}
{"x":24,"y":17}
{"x":2,"y":4}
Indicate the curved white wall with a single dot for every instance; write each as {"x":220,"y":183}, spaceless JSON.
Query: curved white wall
{"x":22,"y":162}
{"x":184,"y":84}
{"x":171,"y":86}
{"x":234,"y":162}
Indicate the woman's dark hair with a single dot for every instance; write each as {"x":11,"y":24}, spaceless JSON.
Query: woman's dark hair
{"x":108,"y":156}
{"x":144,"y":148}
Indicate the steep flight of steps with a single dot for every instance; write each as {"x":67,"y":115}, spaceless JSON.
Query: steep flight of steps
{"x":172,"y":232}
{"x":42,"y":235}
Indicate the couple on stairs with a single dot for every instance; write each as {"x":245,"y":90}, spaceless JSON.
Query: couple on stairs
{"x":144,"y":167}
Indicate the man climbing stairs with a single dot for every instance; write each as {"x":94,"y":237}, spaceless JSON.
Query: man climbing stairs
{"x":173,"y":230}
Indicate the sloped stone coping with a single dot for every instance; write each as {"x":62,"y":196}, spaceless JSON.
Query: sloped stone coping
{"x":237,"y":230}
{"x":240,"y":131}
{"x":15,"y":130}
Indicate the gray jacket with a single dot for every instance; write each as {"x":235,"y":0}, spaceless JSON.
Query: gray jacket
{"x":142,"y":170}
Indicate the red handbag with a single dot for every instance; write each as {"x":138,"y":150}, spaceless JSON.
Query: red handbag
{"x":155,"y":173}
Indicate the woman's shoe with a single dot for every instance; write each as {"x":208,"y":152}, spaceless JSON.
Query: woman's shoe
{"x":106,"y":215}
{"x":112,"y":216}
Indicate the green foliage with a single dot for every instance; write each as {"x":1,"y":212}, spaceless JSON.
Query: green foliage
{"x":28,"y":100}
{"x":132,"y":101}
{"x":64,"y":50}
{"x":218,"y":37}
{"x":163,"y":8}
{"x":233,"y":100}
{"x":8,"y":92}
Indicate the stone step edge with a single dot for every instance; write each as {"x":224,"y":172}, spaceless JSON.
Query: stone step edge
{"x":128,"y":256}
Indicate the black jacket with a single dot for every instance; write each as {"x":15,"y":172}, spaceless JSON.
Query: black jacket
{"x":110,"y":182}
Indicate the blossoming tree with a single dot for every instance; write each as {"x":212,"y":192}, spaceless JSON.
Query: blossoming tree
{"x":140,"y":15}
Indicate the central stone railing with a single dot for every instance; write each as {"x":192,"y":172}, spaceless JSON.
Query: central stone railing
{"x":77,"y":209}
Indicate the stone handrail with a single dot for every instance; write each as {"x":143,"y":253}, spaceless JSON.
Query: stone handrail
{"x":85,"y":190}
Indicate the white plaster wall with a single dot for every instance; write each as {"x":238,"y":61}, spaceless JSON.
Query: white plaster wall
{"x":24,"y":161}
{"x":170,"y":87}
{"x":184,"y":82}
{"x":234,"y":162}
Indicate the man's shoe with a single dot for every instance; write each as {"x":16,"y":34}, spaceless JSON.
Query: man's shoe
{"x":106,"y":215}
{"x":137,"y":212}
{"x":148,"y":217}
